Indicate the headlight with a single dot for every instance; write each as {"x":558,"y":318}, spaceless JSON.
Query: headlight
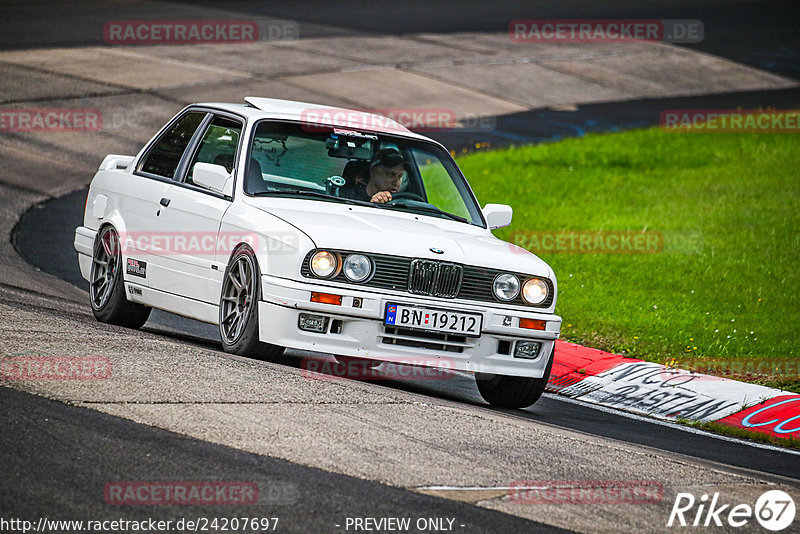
{"x":506,"y":287}
{"x":534,"y":291}
{"x":323,"y":264}
{"x":357,"y":267}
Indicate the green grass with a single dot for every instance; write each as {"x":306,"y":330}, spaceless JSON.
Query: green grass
{"x":722,"y":293}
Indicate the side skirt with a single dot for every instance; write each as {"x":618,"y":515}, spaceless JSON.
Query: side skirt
{"x":185,"y":307}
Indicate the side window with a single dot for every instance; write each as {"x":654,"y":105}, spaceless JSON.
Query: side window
{"x":440,"y":189}
{"x":166,"y":153}
{"x":218,"y":145}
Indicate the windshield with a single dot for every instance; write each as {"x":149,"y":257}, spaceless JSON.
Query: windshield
{"x":336,"y":165}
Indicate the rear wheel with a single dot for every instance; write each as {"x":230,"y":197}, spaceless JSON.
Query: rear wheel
{"x":107,"y":287}
{"x":513,"y":391}
{"x":238,"y":308}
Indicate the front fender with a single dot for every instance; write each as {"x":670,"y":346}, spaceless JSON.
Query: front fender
{"x":278,"y":245}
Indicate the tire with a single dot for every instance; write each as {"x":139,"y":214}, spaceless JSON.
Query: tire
{"x":107,"y":285}
{"x":513,"y":391}
{"x":238,"y":308}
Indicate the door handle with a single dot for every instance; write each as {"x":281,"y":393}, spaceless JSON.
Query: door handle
{"x":164,"y":202}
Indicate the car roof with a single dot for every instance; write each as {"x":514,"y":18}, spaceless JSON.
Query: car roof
{"x":273,"y":108}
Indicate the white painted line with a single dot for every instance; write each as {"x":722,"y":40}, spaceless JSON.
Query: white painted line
{"x":474,"y":488}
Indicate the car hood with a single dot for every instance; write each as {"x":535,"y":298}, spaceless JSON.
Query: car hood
{"x":398,"y":233}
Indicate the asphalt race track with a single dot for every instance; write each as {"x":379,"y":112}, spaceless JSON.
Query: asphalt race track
{"x":757,"y":33}
{"x":88,"y":449}
{"x":324,"y":451}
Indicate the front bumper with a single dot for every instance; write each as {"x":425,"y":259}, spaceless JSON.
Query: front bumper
{"x":360,"y":332}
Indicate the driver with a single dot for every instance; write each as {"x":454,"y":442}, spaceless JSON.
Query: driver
{"x":385,"y":175}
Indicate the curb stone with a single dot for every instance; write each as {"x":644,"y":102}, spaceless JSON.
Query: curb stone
{"x":655,"y":390}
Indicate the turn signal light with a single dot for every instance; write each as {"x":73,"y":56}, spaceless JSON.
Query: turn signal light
{"x":533,"y":324}
{"x":326,"y":298}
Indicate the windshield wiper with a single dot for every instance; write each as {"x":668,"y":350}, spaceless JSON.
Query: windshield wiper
{"x":427,"y":208}
{"x":314,"y":194}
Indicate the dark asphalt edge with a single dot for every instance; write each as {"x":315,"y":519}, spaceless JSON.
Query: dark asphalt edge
{"x":17,"y":230}
{"x":549,"y":125}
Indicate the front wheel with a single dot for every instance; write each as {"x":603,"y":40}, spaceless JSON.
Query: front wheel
{"x":238,"y":308}
{"x":107,"y":287}
{"x":513,"y":391}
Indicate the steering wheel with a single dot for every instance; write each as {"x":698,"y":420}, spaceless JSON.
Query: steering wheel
{"x":407,"y":195}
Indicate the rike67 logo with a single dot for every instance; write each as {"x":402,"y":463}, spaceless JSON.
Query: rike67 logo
{"x":774,"y":510}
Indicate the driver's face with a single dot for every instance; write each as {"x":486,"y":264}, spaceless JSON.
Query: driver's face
{"x":387,"y":178}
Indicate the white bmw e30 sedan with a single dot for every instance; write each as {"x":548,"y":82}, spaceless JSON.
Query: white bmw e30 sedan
{"x":342,"y":233}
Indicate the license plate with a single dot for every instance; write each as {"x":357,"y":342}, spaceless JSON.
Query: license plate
{"x":433,"y":320}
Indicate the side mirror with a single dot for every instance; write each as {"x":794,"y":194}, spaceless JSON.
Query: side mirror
{"x":497,"y":215}
{"x":212,"y":177}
